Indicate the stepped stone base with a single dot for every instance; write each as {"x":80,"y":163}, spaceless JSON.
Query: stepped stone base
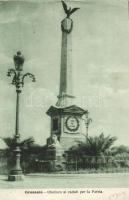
{"x":15,"y":177}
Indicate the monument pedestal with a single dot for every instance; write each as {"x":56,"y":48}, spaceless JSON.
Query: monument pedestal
{"x":54,"y":155}
{"x":67,"y":125}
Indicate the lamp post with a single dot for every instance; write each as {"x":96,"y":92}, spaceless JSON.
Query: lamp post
{"x":87,"y":122}
{"x":18,"y":81}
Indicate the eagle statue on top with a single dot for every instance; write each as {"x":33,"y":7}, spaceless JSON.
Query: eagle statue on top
{"x":68,"y":11}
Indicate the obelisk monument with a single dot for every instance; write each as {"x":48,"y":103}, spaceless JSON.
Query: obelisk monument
{"x":66,"y":87}
{"x":66,"y":118}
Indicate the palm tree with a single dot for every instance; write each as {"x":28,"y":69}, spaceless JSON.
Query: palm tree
{"x":25,"y":146}
{"x":94,"y":149}
{"x":30,"y":151}
{"x":99,"y":145}
{"x":95,"y":146}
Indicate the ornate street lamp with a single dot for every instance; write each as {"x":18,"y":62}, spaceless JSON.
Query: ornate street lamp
{"x":18,"y":81}
{"x":87,"y":122}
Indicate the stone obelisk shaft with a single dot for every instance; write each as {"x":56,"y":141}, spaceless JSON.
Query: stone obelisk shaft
{"x":65,"y":92}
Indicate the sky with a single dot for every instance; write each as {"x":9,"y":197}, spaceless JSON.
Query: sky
{"x":100,"y":58}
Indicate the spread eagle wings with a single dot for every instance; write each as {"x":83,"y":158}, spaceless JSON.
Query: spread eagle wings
{"x":64,"y":6}
{"x":73,"y":10}
{"x":68,"y":11}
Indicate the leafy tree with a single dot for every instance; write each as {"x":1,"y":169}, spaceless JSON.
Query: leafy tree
{"x":120,"y":149}
{"x":121,"y":155}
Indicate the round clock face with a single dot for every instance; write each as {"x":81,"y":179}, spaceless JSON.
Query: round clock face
{"x":72,"y":123}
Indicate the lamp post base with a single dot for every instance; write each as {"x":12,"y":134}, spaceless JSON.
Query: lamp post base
{"x":19,"y":177}
{"x":15,"y":175}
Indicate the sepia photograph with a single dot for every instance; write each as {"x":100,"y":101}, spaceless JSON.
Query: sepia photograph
{"x":64,"y":96}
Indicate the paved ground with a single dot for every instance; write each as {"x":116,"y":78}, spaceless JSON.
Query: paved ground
{"x":119,"y":180}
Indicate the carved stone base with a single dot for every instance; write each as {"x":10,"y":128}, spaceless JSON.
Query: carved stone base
{"x":54,"y":155}
{"x":55,"y":165}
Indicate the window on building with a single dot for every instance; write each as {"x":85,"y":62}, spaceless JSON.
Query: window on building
{"x":55,"y":124}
